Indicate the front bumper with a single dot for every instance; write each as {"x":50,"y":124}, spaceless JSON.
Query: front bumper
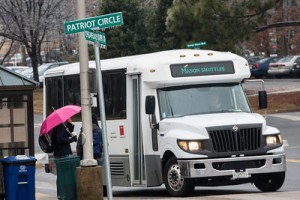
{"x":213,"y":167}
{"x":281,"y":71}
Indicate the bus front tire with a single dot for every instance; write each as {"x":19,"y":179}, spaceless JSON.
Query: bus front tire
{"x":175,"y":184}
{"x":269,"y":182}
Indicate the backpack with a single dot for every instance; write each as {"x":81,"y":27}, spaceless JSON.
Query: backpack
{"x":45,"y":142}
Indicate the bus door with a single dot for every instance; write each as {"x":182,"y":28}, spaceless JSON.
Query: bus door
{"x":54,"y":97}
{"x":138,"y":152}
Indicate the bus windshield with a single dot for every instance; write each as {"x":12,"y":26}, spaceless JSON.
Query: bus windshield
{"x":202,"y":99}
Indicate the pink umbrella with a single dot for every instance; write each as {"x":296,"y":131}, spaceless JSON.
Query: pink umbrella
{"x":58,"y":116}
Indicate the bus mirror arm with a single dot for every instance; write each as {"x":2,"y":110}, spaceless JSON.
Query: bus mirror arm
{"x":154,"y":125}
{"x":152,"y":122}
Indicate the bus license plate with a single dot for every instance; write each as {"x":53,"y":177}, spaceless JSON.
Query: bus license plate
{"x":239,"y":175}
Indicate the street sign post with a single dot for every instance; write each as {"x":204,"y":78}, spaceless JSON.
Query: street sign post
{"x":95,"y":37}
{"x":103,"y":122}
{"x":98,"y":22}
{"x":196,"y":45}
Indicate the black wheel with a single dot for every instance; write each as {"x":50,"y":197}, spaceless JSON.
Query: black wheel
{"x":175,"y":184}
{"x":258,"y":76}
{"x":294,"y":75}
{"x":269,"y":182}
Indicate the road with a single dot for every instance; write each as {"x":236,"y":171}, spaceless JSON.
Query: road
{"x":275,"y":85}
{"x":287,"y":123}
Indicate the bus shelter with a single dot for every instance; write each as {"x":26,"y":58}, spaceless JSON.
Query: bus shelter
{"x":16,"y":116}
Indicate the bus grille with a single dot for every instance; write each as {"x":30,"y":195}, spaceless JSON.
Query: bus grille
{"x":244,"y":139}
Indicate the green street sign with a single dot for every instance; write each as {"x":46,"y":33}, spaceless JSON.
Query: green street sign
{"x":95,"y":37}
{"x":98,"y":22}
{"x":198,"y":44}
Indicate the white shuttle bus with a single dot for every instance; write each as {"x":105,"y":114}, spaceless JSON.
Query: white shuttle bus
{"x":179,"y":118}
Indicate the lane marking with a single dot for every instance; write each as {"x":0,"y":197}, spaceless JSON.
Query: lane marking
{"x":293,"y":147}
{"x":285,"y":143}
{"x":293,"y":160}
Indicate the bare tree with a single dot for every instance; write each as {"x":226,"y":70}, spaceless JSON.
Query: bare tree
{"x":279,"y":33}
{"x":27,"y":21}
{"x":9,"y":44}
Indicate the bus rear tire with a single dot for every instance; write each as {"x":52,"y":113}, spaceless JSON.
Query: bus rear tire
{"x":269,"y":182}
{"x":175,"y":184}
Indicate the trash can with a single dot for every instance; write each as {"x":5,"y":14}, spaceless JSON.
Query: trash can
{"x":19,"y":177}
{"x":66,"y":177}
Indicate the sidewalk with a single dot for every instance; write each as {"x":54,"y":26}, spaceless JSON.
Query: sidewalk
{"x":40,"y":196}
{"x":45,"y":184}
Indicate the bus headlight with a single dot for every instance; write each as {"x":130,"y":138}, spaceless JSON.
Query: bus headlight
{"x":273,"y":139}
{"x":190,"y":145}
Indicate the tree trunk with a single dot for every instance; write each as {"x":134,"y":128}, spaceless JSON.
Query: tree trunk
{"x":35,"y":64}
{"x":34,"y":56}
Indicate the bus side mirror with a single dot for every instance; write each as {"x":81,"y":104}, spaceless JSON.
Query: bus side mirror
{"x":263,"y":99}
{"x":150,"y":105}
{"x":150,"y":110}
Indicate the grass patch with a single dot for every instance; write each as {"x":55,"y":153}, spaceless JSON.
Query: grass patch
{"x":38,"y":101}
{"x":278,"y":102}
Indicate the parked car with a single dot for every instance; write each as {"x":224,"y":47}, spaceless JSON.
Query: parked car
{"x":252,"y":59}
{"x":283,"y":67}
{"x":17,"y":69}
{"x":260,"y":68}
{"x":296,"y":68}
{"x":28,"y":73}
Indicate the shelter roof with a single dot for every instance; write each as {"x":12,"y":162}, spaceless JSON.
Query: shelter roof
{"x":10,"y":80}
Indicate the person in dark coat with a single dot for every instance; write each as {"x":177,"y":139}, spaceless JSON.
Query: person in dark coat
{"x":97,"y":142}
{"x":62,"y":138}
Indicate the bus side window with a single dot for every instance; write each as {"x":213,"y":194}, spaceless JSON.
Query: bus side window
{"x":55,"y":94}
{"x":72,"y":92}
{"x":114,"y":86}
{"x":69,"y":91}
{"x":59,"y":94}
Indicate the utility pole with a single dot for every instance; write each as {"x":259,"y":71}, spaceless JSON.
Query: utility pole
{"x":89,"y":174}
{"x":86,"y":112}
